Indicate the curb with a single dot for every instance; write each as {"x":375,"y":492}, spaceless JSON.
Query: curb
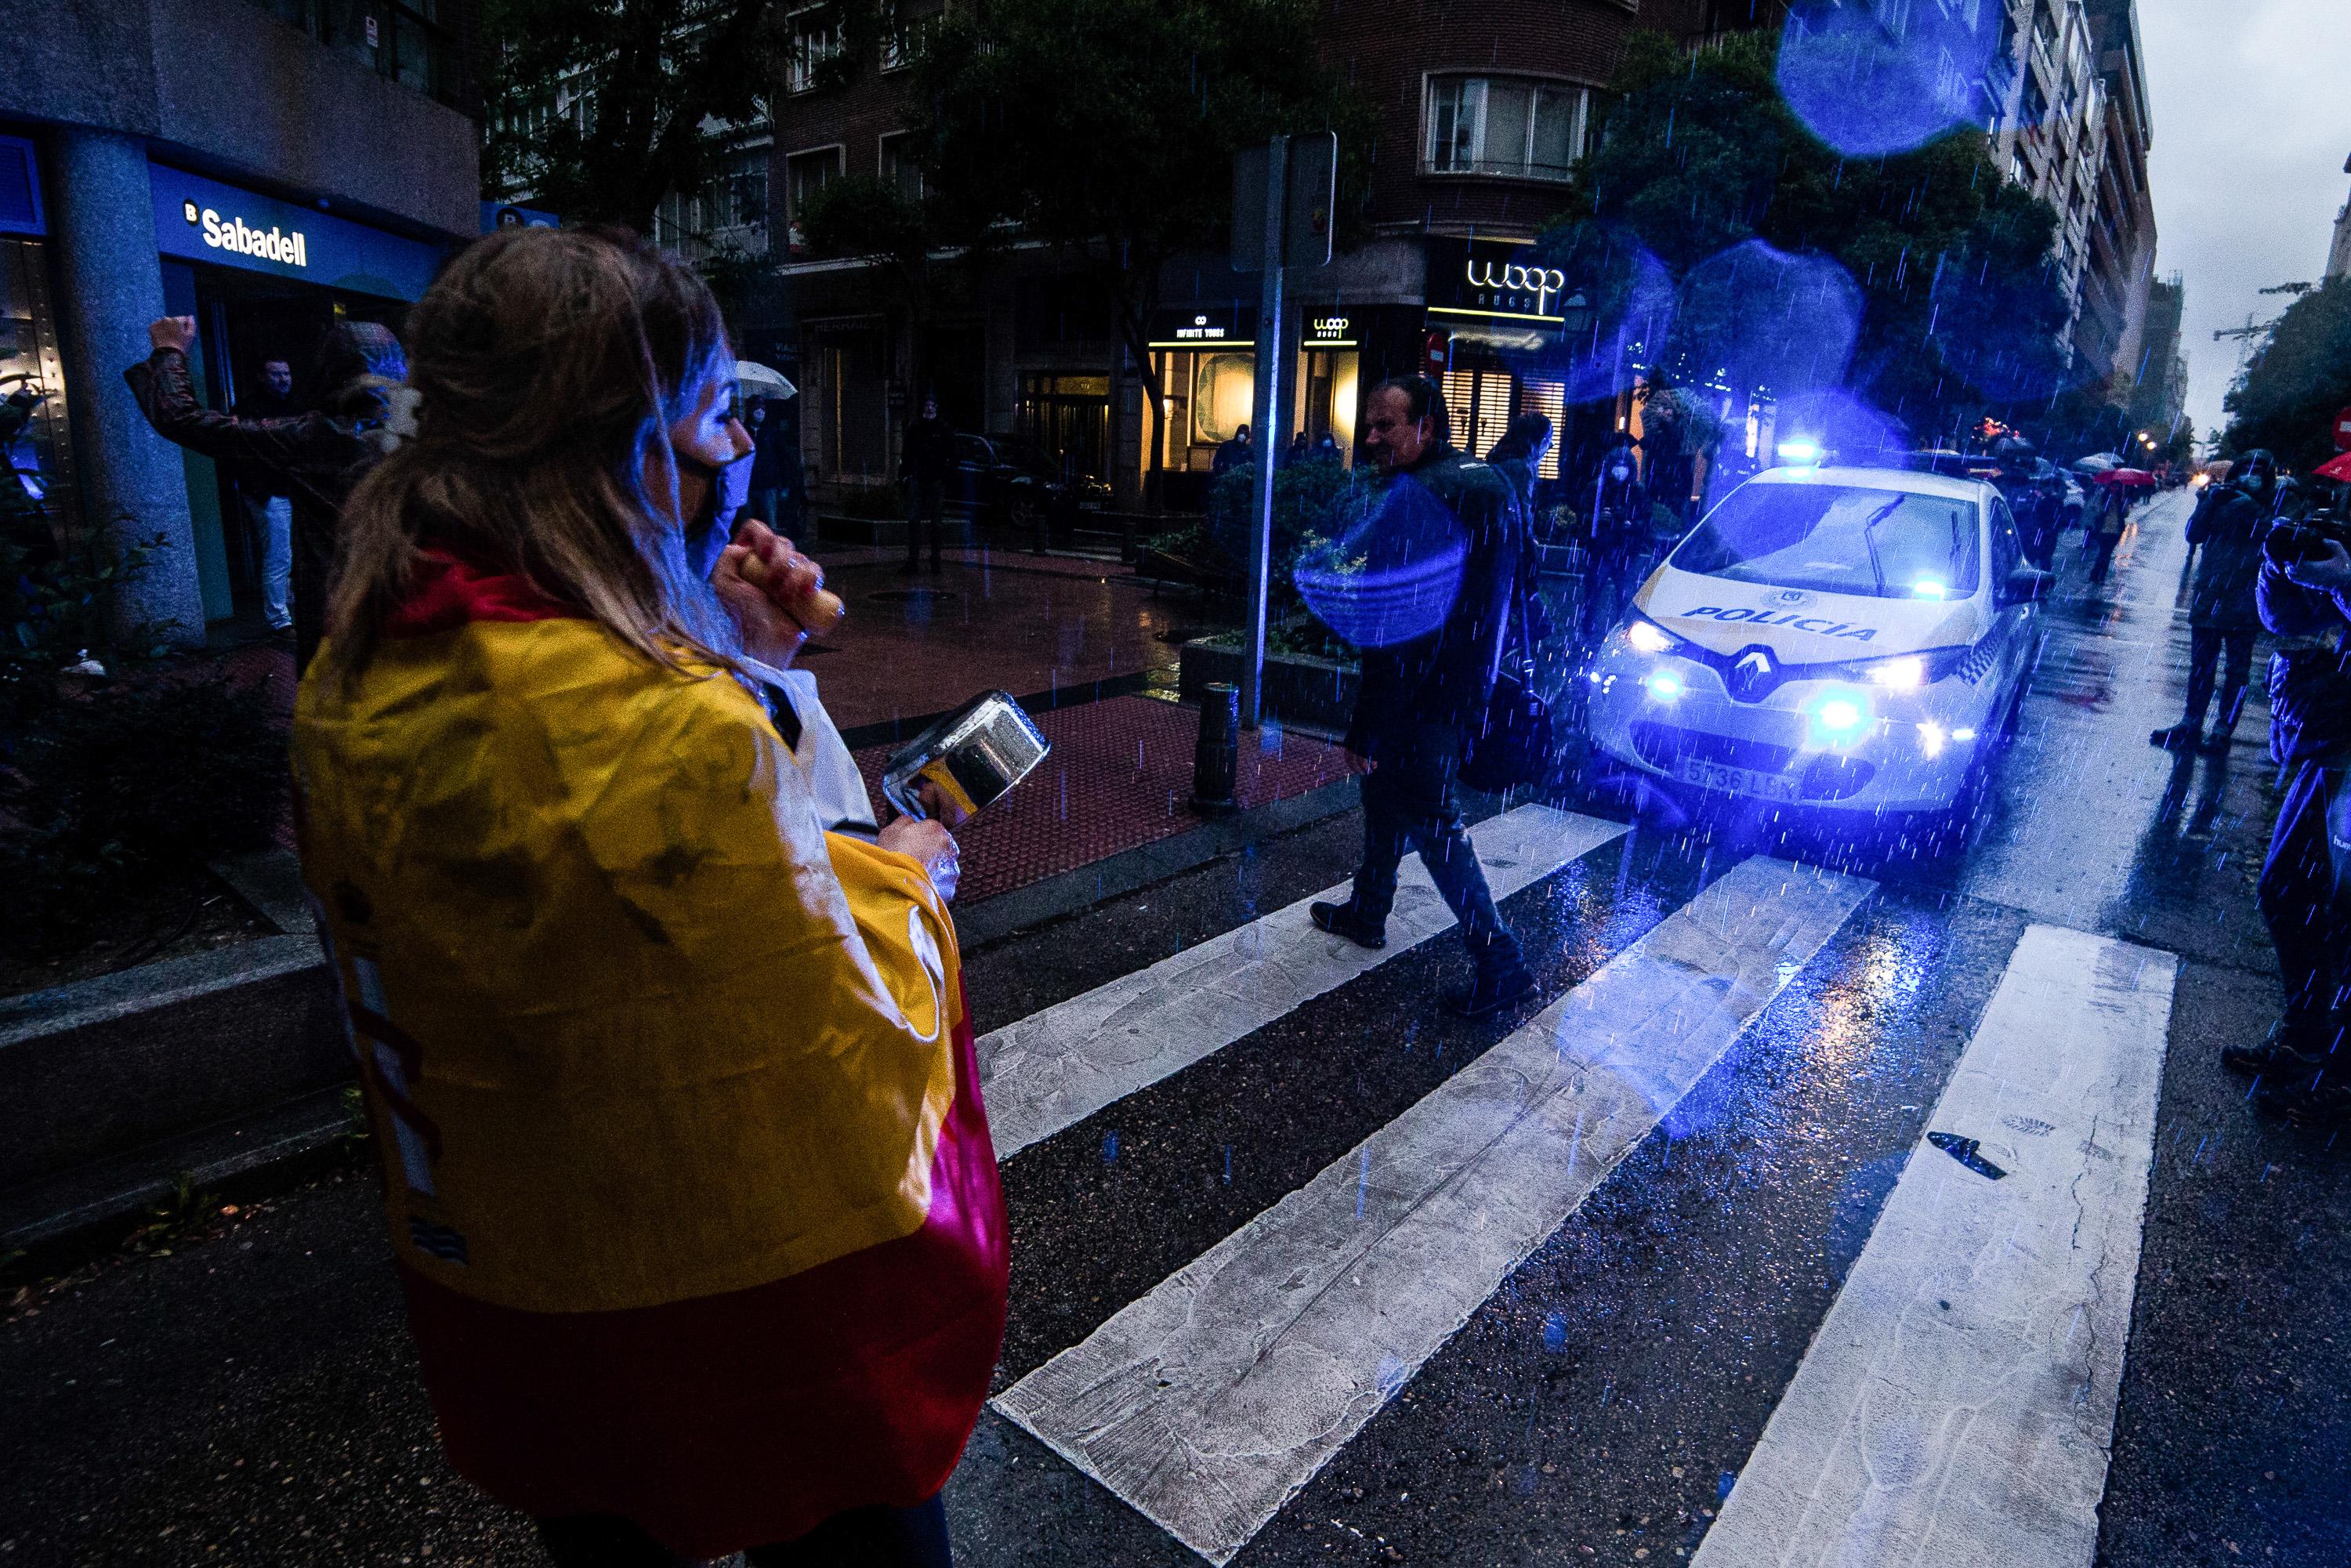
{"x":56,"y":1217}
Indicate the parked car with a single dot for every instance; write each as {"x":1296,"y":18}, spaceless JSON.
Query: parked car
{"x":1004,"y":479}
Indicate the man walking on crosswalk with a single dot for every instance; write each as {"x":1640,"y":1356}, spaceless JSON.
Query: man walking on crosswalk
{"x":1420,"y":699}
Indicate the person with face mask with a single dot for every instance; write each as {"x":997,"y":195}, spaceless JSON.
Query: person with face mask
{"x":769,"y":479}
{"x":2222,"y":610}
{"x":1617,"y":533}
{"x":689,"y":1185}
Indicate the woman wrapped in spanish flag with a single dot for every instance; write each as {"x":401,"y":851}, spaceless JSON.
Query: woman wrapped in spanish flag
{"x":690,"y":1187}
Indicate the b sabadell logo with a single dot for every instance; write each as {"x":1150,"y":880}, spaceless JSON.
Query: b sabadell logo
{"x":272,"y":244}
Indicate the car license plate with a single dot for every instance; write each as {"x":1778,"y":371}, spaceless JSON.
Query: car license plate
{"x":1737,"y":780}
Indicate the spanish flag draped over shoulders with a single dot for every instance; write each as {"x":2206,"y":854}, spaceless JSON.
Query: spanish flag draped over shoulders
{"x":688,"y":1178}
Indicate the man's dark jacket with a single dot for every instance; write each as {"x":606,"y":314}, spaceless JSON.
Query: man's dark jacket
{"x":2310,"y":686}
{"x":318,"y":458}
{"x":254,"y":480}
{"x":2230,"y":527}
{"x":1448,"y":676}
{"x":930,"y":450}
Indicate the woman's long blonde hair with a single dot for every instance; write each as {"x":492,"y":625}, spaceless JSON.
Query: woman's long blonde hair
{"x":548,"y":365}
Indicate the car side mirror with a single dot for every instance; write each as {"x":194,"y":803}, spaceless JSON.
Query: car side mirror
{"x":2025,"y":585}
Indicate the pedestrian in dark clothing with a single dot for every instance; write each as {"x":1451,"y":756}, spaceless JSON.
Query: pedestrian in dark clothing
{"x":768,"y":474}
{"x":2306,"y":885}
{"x":1236,"y":453}
{"x":2019,"y":483}
{"x":2223,"y":608}
{"x":21,"y":491}
{"x":1300,"y":449}
{"x":1520,"y":455}
{"x":320,"y":455}
{"x":1616,"y":535}
{"x":930,"y":461}
{"x":1420,"y":700}
{"x":2104,"y":523}
{"x":268,"y":498}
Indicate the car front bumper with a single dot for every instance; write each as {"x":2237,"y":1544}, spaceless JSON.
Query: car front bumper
{"x":1910,"y":751}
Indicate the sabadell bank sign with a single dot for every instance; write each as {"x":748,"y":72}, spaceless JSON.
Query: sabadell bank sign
{"x":231,"y":234}
{"x":203,"y":220}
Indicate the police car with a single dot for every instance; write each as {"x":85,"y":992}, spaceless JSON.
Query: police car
{"x":1849,"y":640}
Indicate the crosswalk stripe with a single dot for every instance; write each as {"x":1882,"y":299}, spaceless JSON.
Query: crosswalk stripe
{"x":1057,"y":1067}
{"x":1211,"y":1401}
{"x":1957,"y":1405}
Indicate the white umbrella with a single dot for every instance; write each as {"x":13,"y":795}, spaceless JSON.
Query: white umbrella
{"x":757,"y":378}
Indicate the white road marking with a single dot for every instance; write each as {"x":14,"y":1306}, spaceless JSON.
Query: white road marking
{"x":1055,"y":1068}
{"x":1957,"y":1405}
{"x":1210,"y":1402}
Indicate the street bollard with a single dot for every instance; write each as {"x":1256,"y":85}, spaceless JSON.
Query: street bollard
{"x":1216,"y":761}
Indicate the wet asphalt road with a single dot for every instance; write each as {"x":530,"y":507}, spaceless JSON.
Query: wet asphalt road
{"x":245,"y":1394}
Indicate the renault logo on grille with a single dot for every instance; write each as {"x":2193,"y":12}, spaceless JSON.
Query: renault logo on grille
{"x":1752,"y":674}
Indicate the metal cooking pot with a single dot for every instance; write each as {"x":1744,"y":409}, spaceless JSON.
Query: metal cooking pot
{"x":974,"y":755}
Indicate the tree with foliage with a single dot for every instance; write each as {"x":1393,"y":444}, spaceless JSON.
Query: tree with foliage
{"x":1105,"y":129}
{"x":2296,"y":381}
{"x":600,"y":108}
{"x":1959,"y":310}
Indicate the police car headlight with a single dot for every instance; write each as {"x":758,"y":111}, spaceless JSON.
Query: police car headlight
{"x":1902,"y":674}
{"x":1642,"y":635}
{"x":1647,"y":637}
{"x":1910,"y":672}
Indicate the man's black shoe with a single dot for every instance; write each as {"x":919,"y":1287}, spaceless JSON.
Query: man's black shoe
{"x":1340,"y":920}
{"x":2273,"y":1057}
{"x":2327,"y":1103}
{"x":2217,"y":744}
{"x":2179,"y":737}
{"x":1491,"y":992}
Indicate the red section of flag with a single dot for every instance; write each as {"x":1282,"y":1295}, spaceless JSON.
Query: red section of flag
{"x":730,"y":1421}
{"x":446,"y":593}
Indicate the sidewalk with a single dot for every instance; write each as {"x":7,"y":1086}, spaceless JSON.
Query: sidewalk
{"x":917,"y":645}
{"x":1119,"y":778}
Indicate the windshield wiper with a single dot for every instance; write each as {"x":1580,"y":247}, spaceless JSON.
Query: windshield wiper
{"x":1869,"y":540}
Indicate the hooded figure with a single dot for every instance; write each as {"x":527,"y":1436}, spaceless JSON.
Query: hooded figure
{"x":318,"y":456}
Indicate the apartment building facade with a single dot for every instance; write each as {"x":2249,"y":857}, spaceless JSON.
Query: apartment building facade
{"x":1482,"y":110}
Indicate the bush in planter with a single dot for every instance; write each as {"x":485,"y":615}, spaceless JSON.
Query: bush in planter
{"x":1313,"y":501}
{"x":107,"y":789}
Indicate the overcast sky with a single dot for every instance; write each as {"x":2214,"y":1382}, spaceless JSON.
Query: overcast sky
{"x":2251,"y":103}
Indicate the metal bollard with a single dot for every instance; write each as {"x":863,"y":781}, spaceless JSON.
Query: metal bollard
{"x":1216,"y":761}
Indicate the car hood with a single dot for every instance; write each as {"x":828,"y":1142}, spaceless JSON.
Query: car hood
{"x":1802,"y":626}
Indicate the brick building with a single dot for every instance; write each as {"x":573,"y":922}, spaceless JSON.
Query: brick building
{"x":1484,"y":107}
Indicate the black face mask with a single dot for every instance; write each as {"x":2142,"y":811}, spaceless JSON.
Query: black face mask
{"x":707,"y":513}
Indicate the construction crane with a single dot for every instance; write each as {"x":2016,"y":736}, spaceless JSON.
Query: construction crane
{"x":2261,"y":330}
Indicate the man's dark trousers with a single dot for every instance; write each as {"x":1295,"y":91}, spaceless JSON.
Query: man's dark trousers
{"x":2305,"y":899}
{"x":930,"y":506}
{"x":1409,"y":803}
{"x":2205,"y":645}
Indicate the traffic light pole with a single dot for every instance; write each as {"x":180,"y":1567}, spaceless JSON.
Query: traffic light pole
{"x":1268,"y":403}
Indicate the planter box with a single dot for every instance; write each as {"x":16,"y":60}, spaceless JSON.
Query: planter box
{"x":1316,"y":692}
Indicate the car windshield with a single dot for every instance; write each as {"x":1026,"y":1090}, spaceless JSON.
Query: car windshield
{"x":1839,"y":539}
